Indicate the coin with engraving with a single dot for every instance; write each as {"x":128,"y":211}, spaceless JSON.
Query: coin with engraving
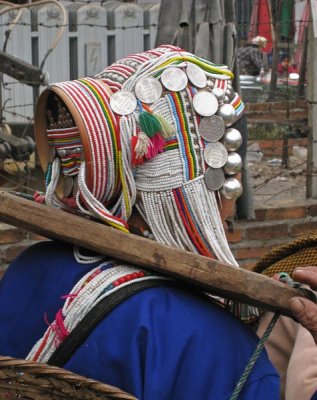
{"x":214,"y":178}
{"x":215,"y":155}
{"x":148,"y":90}
{"x":233,"y":164}
{"x":174,"y":79}
{"x":196,"y":75}
{"x":205,"y":103}
{"x":227,"y":113}
{"x":212,"y":128}
{"x":123,"y":102}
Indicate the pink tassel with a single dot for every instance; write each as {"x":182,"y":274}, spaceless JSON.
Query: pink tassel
{"x":59,"y":327}
{"x":156,"y":146}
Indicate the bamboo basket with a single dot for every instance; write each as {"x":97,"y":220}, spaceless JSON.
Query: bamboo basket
{"x":21,"y":379}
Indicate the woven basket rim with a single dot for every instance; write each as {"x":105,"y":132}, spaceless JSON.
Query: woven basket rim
{"x":35,"y":380}
{"x":285,"y":250}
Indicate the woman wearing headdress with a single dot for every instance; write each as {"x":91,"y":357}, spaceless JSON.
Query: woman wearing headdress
{"x":153,"y":134}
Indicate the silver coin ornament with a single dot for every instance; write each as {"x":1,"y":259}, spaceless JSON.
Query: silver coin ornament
{"x":220,"y":94}
{"x":205,"y":103}
{"x":196,"y":75}
{"x":212,"y":128}
{"x":123,"y":102}
{"x":231,"y":189}
{"x":214,"y":178}
{"x":215,"y":155}
{"x":148,"y":90}
{"x":174,"y":79}
{"x":232,"y":139}
{"x":227,"y":113}
{"x":233,"y":164}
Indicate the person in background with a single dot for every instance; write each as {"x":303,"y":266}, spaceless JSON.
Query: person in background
{"x":250,"y":57}
{"x":284,"y":68}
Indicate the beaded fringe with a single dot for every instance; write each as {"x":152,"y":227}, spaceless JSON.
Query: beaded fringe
{"x":165,"y":217}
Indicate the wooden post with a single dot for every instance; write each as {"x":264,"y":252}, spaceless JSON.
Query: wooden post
{"x":207,"y":274}
{"x":311,"y":182}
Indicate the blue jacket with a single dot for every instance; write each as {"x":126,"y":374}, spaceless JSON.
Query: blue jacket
{"x":162,"y":344}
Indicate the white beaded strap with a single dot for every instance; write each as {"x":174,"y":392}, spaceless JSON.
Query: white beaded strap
{"x":97,"y":284}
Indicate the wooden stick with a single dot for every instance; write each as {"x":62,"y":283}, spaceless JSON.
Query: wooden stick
{"x":210,"y":275}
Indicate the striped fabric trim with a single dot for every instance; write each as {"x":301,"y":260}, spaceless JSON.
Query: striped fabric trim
{"x":184,"y":138}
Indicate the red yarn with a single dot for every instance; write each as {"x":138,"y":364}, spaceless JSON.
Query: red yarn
{"x":157,"y":143}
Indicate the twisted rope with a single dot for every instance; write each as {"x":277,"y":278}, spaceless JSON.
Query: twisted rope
{"x":254,"y":357}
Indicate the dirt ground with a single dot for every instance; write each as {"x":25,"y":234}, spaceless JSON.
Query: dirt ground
{"x":275,"y":185}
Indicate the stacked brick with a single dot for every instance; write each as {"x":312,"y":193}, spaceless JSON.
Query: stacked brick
{"x":250,"y":240}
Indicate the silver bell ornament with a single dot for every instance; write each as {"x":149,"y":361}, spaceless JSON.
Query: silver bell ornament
{"x":227,"y":113}
{"x":220,"y":94}
{"x":232,"y":139}
{"x":233,"y":164}
{"x":231,"y":189}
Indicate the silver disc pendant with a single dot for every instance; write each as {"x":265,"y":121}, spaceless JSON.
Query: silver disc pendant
{"x":233,"y":164}
{"x":232,"y":139}
{"x":231,"y":189}
{"x":212,"y":128}
{"x":227,"y":113}
{"x":174,"y":79}
{"x":123,"y":102}
{"x":148,"y":90}
{"x":214,"y":178}
{"x":196,"y":75}
{"x":205,"y":103}
{"x":215,"y":155}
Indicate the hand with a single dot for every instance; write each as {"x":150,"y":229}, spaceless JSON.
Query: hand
{"x":304,"y":310}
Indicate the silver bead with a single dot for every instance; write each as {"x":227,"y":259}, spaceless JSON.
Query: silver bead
{"x":220,"y":94}
{"x":232,"y":139}
{"x":227,"y":113}
{"x":231,"y":189}
{"x":233,"y":164}
{"x":210,"y":83}
{"x":61,"y":152}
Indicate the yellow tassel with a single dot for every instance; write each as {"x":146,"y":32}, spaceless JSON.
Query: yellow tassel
{"x":167,"y":130}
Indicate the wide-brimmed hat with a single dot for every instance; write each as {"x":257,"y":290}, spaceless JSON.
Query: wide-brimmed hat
{"x":260,"y":41}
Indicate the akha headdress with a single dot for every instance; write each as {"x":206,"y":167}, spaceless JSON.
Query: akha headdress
{"x":155,"y":131}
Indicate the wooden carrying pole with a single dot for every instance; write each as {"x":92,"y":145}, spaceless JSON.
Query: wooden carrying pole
{"x":210,"y":275}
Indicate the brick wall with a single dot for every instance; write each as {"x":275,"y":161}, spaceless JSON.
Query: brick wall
{"x":274,"y":147}
{"x":250,"y":240}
